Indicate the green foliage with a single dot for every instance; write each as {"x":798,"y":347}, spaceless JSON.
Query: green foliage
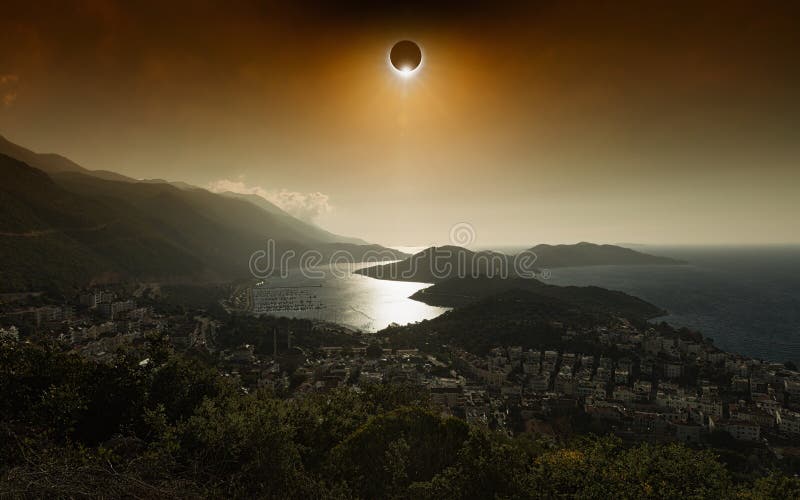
{"x":174,"y":428}
{"x":512,"y":318}
{"x":774,"y":486}
{"x":322,"y":421}
{"x":487,"y":466}
{"x":602,"y":468}
{"x":462,"y":291}
{"x":374,"y":351}
{"x":392,"y":450}
{"x":244,"y":447}
{"x":179,"y":386}
{"x":60,"y":395}
{"x":180,"y":299}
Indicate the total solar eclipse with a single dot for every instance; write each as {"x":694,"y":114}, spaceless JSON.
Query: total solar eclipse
{"x":405,"y":57}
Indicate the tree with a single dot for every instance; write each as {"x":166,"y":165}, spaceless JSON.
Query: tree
{"x":376,"y":451}
{"x":374,"y":351}
{"x":244,"y":447}
{"x":774,"y":486}
{"x":489,"y":466}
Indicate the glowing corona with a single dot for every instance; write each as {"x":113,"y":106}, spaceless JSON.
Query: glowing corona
{"x":405,"y":58}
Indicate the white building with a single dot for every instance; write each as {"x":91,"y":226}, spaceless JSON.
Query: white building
{"x":673,"y":370}
{"x":623,"y":393}
{"x":743,"y":431}
{"x":539,"y":383}
{"x":788,"y":422}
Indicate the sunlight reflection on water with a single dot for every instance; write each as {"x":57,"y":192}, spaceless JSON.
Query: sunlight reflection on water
{"x":357,"y":301}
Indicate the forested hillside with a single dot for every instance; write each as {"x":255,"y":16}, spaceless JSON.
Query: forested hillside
{"x":171,"y":427}
{"x":72,"y":229}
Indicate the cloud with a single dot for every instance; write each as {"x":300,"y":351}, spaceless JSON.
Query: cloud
{"x":304,"y":206}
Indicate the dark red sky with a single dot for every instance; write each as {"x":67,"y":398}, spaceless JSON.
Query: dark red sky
{"x":557,"y":121}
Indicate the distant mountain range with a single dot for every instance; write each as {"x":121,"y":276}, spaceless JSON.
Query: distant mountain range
{"x":52,"y":163}
{"x":437,"y":264}
{"x":67,"y":226}
{"x":591,"y":254}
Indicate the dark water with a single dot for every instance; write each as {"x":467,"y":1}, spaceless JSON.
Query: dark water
{"x":746,"y":298}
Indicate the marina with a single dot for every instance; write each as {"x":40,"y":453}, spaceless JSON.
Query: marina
{"x":345,"y":298}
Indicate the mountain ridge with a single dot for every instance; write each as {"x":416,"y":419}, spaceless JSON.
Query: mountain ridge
{"x":531,"y":317}
{"x":436,"y":264}
{"x":593,"y":254}
{"x":67,"y":229}
{"x":459,"y":292}
{"x":60,"y":167}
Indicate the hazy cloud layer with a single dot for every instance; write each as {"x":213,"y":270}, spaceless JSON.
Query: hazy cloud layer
{"x":304,"y":206}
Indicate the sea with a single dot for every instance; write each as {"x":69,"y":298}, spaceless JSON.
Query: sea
{"x":747,"y":299}
{"x":335,"y":293}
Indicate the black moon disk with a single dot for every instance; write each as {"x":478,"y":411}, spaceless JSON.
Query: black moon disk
{"x":405,"y":56}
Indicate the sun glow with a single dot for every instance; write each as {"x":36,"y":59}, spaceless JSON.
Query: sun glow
{"x":407,"y":61}
{"x":405,"y":72}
